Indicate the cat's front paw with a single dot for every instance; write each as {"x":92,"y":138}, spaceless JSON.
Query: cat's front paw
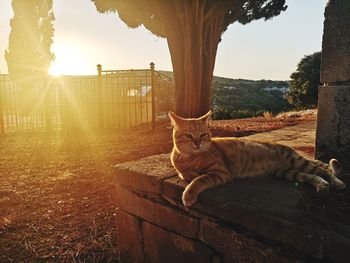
{"x":189,"y":197}
{"x":322,"y":186}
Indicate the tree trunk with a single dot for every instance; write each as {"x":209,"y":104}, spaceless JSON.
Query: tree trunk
{"x":193,"y":39}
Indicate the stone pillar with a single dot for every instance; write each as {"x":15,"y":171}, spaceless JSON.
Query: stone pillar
{"x":333,"y":121}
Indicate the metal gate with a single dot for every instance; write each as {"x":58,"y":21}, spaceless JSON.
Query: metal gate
{"x":112,"y":99}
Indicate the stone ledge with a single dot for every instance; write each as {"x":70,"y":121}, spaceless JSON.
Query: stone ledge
{"x":269,"y":208}
{"x":145,"y":174}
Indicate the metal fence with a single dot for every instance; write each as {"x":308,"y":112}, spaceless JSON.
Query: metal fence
{"x":112,"y":99}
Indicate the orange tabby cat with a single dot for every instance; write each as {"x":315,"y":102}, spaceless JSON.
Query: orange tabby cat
{"x":205,"y":162}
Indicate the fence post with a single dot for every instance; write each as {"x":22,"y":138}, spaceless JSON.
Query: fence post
{"x":2,"y":122}
{"x":153,"y":93}
{"x":99,"y":95}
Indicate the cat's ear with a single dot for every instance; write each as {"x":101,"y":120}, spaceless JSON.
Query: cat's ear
{"x":205,"y":117}
{"x":175,"y":120}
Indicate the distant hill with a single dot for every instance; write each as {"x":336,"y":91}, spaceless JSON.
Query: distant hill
{"x":242,"y":98}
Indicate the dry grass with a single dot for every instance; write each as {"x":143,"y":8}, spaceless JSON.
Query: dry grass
{"x":309,"y":114}
{"x":268,"y":114}
{"x":57,"y":197}
{"x":244,"y":127}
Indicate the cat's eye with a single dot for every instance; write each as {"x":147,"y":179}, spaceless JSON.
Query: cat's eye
{"x":188,"y":135}
{"x":203,"y":135}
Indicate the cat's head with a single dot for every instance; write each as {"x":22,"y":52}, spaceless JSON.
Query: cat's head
{"x":190,"y":135}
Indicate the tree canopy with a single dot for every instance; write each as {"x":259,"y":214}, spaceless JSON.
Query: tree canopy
{"x":153,"y":14}
{"x":305,"y":82}
{"x":31,"y":36}
{"x":193,"y":29}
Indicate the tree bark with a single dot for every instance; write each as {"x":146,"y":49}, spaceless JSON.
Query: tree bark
{"x":193,"y":38}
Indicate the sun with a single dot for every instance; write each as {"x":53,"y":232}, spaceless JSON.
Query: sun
{"x":70,"y":60}
{"x":55,"y":70}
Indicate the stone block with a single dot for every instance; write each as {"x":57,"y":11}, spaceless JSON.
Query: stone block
{"x":161,"y":214}
{"x":242,"y":248}
{"x":130,"y":244}
{"x":163,"y":246}
{"x":146,"y":174}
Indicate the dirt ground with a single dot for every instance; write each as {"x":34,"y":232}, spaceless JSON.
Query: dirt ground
{"x":57,"y":198}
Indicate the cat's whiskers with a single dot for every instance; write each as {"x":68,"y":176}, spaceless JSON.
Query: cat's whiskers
{"x":210,"y":152}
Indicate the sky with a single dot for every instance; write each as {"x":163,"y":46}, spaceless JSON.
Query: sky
{"x":260,"y":50}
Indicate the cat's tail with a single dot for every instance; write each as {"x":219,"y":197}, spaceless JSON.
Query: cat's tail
{"x":336,"y":167}
{"x":333,"y":166}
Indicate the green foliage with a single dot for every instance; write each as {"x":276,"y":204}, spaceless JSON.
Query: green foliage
{"x":152,"y":14}
{"x":239,"y":98}
{"x":305,"y":81}
{"x":31,"y":37}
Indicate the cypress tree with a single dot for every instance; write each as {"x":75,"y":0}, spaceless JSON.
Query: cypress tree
{"x":31,"y":37}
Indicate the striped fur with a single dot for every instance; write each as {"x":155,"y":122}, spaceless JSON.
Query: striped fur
{"x":206,"y":162}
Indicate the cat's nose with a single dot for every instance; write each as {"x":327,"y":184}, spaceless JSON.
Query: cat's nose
{"x":197,"y":143}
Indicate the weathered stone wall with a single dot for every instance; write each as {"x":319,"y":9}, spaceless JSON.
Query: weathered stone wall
{"x":336,"y":42}
{"x":333,"y":124}
{"x":250,"y":220}
{"x":333,"y":120}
